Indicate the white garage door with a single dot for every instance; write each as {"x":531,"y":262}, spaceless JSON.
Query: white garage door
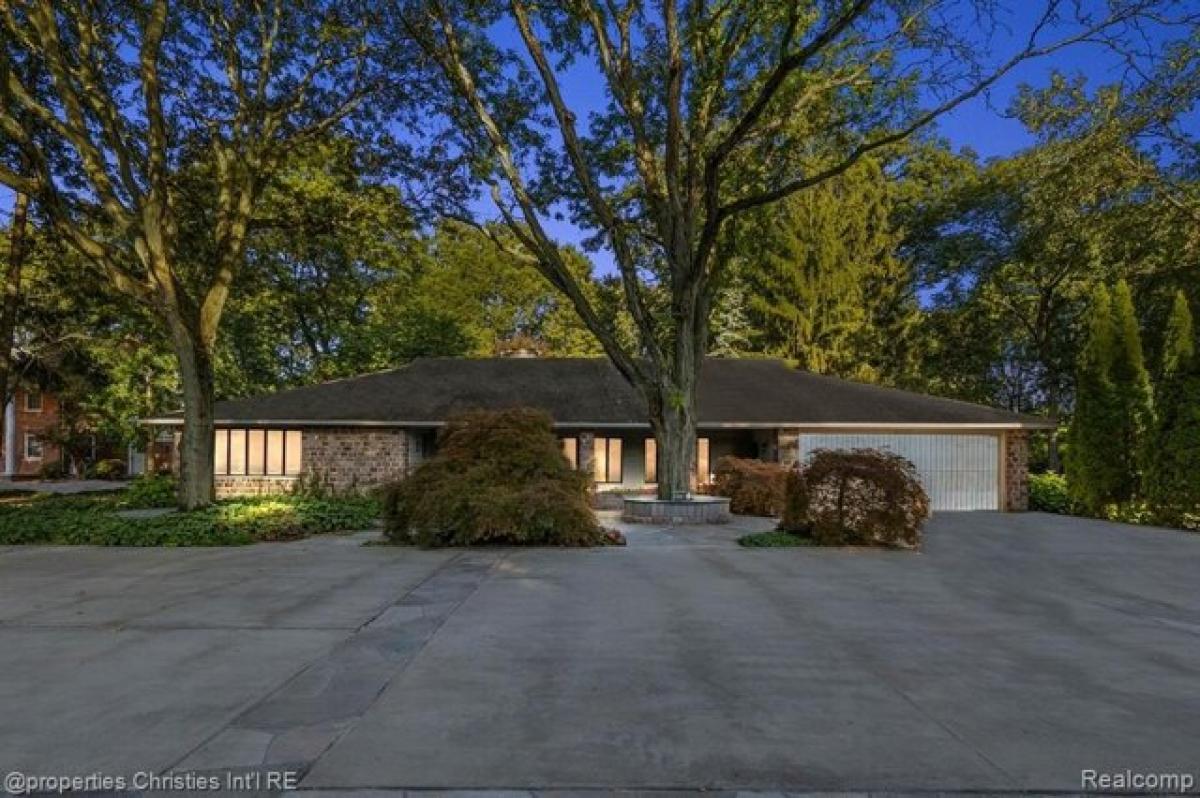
{"x":960,"y":472}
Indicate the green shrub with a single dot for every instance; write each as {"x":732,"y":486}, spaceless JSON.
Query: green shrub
{"x":753,"y":487}
{"x":1049,"y":494}
{"x":794,"y":518}
{"x":497,"y":478}
{"x":110,"y":468}
{"x":150,"y":490}
{"x":52,"y":470}
{"x":92,"y":520}
{"x":864,"y":497}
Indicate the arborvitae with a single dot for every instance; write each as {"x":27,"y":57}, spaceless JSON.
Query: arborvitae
{"x":1093,"y":475}
{"x":1173,"y":480}
{"x":1133,"y":394}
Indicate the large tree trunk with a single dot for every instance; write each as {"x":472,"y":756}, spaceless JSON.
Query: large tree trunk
{"x":196,"y":446}
{"x":675,"y":429}
{"x":18,"y":247}
{"x":673,"y":414}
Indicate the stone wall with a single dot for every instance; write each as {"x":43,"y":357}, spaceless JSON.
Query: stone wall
{"x":351,"y":458}
{"x":227,"y":486}
{"x":1016,"y":471}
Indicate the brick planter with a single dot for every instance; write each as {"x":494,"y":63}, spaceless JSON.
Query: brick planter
{"x":699,"y":510}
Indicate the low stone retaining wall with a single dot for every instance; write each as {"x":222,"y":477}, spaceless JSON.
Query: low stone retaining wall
{"x":700,"y":510}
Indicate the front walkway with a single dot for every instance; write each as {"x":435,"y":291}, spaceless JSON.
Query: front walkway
{"x":1012,"y":653}
{"x":65,"y":486}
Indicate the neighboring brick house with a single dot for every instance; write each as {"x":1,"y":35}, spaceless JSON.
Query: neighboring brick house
{"x":359,"y":432}
{"x":27,"y":419}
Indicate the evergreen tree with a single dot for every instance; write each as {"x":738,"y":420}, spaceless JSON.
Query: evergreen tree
{"x":1133,"y":396}
{"x":1173,"y":479}
{"x":731,"y":329}
{"x":1094,"y":475}
{"x":826,"y":288}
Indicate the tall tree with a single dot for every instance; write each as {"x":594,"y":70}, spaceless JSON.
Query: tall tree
{"x":694,"y":134}
{"x":1133,"y":396}
{"x":826,"y":286}
{"x":1094,"y":475}
{"x":1173,"y":478}
{"x":143,"y":92}
{"x":10,"y":305}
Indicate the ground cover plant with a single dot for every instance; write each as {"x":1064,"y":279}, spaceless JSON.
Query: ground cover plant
{"x":775,"y":539}
{"x":499,"y":477}
{"x":96,"y":519}
{"x":753,"y":487}
{"x":149,"y":490}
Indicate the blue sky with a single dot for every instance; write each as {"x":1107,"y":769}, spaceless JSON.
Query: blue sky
{"x":979,"y":124}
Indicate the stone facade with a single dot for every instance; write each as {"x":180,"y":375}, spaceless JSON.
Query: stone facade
{"x":1016,"y":471}
{"x":354,"y":458}
{"x":700,"y":510}
{"x":339,"y":459}
{"x":227,"y":486}
{"x":787,"y":447}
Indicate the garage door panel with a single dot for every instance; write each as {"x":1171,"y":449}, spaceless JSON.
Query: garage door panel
{"x":959,"y":472}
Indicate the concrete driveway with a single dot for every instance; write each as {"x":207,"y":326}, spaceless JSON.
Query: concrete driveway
{"x":1011,"y":654}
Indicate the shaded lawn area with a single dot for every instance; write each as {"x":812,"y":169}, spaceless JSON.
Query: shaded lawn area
{"x":95,"y":519}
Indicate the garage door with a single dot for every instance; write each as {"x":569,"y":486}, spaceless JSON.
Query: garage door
{"x":959,"y":472}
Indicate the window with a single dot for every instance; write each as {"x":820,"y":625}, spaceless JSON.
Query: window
{"x":275,"y":451}
{"x":33,"y":447}
{"x":570,"y":450}
{"x":33,"y":402}
{"x":703,"y":473}
{"x":606,"y":459}
{"x":651,"y":460}
{"x":237,"y":451}
{"x":221,"y":452}
{"x":258,"y":452}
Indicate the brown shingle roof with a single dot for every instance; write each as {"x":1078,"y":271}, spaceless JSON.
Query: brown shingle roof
{"x":583,"y":391}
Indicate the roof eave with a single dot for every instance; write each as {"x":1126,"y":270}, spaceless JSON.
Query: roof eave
{"x":1038,"y":424}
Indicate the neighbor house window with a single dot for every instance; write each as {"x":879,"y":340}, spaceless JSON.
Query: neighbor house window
{"x":257,"y":452}
{"x":33,"y":447}
{"x":702,"y":460}
{"x":606,"y":459}
{"x":570,"y":450}
{"x":33,"y":402}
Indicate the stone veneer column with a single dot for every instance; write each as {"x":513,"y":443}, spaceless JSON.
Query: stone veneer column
{"x":788,"y":447}
{"x":1016,"y":471}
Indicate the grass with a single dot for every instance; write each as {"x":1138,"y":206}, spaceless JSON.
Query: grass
{"x":92,"y":519}
{"x":774,"y":539}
